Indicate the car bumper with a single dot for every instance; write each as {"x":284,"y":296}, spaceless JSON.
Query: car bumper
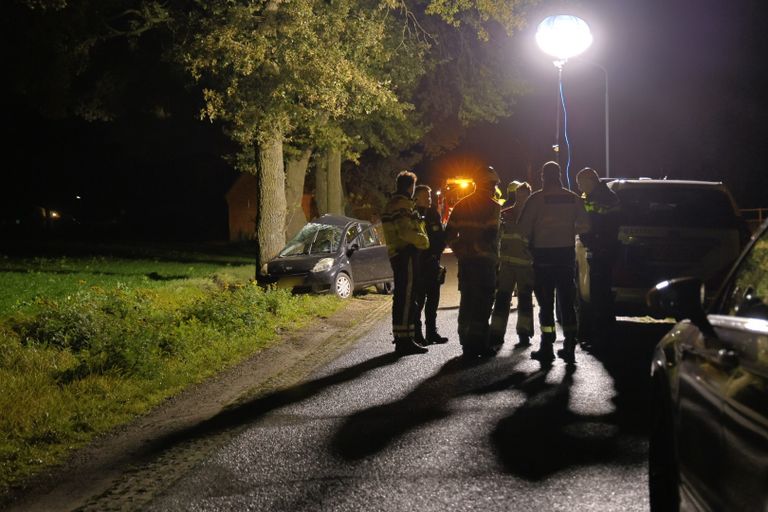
{"x":312,"y":282}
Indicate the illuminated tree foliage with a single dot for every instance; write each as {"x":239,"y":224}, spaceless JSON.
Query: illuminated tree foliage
{"x":292,"y":81}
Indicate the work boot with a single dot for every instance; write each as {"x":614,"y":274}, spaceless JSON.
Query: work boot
{"x":523,"y":340}
{"x":567,"y":352}
{"x":545,"y":353}
{"x":434,"y":338}
{"x":408,"y":346}
{"x":419,"y":338}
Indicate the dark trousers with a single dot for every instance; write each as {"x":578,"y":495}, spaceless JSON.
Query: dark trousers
{"x":477,"y":285}
{"x":600,"y":292}
{"x":554,"y":270}
{"x":428,"y":292}
{"x":404,"y":268}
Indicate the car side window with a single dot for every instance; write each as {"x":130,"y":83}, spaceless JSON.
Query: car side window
{"x":747,"y":294}
{"x":352,"y":232}
{"x":368,"y":238}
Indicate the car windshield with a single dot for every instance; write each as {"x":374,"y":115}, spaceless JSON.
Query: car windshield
{"x":313,"y":238}
{"x":675,"y":206}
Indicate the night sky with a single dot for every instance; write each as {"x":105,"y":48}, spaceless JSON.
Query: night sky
{"x":686,"y":91}
{"x":687,"y":100}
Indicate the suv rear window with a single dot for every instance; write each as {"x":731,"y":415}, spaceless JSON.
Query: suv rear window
{"x":676,"y":206}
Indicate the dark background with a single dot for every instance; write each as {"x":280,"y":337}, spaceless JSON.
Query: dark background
{"x":686,"y":101}
{"x":686,"y":91}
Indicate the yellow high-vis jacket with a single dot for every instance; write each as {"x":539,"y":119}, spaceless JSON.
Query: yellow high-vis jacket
{"x":402,"y":225}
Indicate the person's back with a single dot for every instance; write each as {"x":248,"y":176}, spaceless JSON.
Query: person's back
{"x":472,"y":228}
{"x":550,"y":221}
{"x":472,"y":233}
{"x":552,"y":217}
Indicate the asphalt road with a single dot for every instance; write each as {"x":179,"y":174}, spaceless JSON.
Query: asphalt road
{"x":331,"y":419}
{"x":371,"y":431}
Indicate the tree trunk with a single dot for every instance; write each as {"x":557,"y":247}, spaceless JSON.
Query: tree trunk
{"x":333,"y":174}
{"x":270,"y":223}
{"x":321,"y":186}
{"x":295,"y":172}
{"x":328,"y":190}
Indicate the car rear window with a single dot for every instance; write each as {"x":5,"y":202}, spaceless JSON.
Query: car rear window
{"x":675,"y":206}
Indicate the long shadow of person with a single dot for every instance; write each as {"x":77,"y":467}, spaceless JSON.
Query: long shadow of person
{"x":543,"y":436}
{"x":251,"y":410}
{"x":371,"y":430}
{"x":627,"y":359}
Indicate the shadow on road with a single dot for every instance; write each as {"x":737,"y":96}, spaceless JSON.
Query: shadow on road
{"x":251,"y":410}
{"x":545,"y":436}
{"x":371,"y":430}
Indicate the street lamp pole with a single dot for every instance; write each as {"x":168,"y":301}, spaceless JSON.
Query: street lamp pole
{"x":607,"y":119}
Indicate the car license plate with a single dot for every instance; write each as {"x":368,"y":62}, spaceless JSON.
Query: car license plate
{"x":290,"y":282}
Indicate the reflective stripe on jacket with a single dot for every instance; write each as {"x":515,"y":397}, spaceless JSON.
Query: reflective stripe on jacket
{"x":402,"y":226}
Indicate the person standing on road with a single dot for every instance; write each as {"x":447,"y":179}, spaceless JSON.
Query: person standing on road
{"x":602,"y":243}
{"x":472,"y":233}
{"x":431,"y":274}
{"x":405,"y":235}
{"x":550,"y":220}
{"x":515,"y":270}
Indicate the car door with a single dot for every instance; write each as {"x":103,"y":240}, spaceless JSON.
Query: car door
{"x":380,"y":268}
{"x":701,"y":381}
{"x":357,"y":257}
{"x":366,"y":261}
{"x":741,"y":325}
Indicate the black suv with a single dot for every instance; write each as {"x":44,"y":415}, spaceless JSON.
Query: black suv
{"x":668,"y":228}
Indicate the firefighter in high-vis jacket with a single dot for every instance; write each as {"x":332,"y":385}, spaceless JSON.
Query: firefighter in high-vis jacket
{"x":472,"y":233}
{"x":405,"y":235}
{"x":550,"y":221}
{"x":515,"y":270}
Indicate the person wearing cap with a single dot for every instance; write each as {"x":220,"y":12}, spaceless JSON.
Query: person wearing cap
{"x":515,"y":270}
{"x":472,"y":233}
{"x":430,"y":275}
{"x":602,"y":244}
{"x":550,"y":221}
{"x":405,"y":235}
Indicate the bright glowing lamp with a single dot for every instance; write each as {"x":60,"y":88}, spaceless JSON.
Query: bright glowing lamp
{"x":563,"y":36}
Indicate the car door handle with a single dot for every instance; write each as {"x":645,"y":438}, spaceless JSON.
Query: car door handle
{"x":728,"y":358}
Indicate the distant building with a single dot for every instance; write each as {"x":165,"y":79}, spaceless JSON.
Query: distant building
{"x":241,"y":202}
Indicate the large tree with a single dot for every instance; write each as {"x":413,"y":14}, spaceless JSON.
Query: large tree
{"x":272,"y":69}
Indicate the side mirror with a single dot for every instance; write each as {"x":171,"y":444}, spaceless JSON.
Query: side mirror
{"x":682,"y":298}
{"x":351,"y":249}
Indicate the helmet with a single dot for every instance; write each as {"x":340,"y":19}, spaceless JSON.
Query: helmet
{"x":487,"y":175}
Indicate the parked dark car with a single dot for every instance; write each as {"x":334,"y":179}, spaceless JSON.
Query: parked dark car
{"x":709,"y":436}
{"x":668,"y":229}
{"x":332,"y":253}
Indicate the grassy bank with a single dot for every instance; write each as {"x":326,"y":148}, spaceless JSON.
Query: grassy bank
{"x":87,"y":343}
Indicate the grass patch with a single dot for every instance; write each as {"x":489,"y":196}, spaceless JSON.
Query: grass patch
{"x":92,"y":342}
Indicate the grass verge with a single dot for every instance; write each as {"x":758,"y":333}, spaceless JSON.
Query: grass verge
{"x":80,"y":358}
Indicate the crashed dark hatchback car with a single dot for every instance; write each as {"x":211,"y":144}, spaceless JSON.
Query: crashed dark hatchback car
{"x":333,"y":254}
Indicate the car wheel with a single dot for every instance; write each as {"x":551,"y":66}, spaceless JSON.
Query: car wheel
{"x":343,"y":286}
{"x":386,"y":287}
{"x":663,"y":469}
